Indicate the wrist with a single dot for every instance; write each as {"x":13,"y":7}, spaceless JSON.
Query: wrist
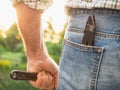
{"x":37,"y":55}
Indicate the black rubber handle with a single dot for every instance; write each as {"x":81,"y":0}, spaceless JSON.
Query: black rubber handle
{"x":22,"y":75}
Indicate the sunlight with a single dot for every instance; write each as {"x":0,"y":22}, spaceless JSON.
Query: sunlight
{"x":7,"y":15}
{"x":55,"y":12}
{"x":4,"y":34}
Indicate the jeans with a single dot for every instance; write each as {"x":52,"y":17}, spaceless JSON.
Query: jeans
{"x":95,"y":67}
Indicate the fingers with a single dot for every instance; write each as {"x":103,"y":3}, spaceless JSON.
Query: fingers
{"x":44,"y":81}
{"x":56,"y":80}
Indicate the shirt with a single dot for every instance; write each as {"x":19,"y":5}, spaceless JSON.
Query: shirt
{"x":35,"y":4}
{"x":88,"y":4}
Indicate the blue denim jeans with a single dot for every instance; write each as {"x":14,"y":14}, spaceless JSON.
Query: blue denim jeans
{"x":91,"y":67}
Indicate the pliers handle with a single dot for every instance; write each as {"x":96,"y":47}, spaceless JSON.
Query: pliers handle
{"x":89,"y":31}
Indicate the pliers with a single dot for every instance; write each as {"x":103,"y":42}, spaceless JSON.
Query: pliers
{"x":89,"y":31}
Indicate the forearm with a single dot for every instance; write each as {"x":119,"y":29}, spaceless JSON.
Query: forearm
{"x":29,"y":21}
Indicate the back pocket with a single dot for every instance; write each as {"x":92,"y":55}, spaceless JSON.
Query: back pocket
{"x":80,"y":65}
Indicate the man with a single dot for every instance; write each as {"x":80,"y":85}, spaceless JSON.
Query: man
{"x":91,"y":50}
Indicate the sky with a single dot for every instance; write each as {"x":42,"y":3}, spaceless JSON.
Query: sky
{"x":56,"y":12}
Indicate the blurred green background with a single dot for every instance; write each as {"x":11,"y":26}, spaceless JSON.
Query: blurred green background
{"x":12,"y":55}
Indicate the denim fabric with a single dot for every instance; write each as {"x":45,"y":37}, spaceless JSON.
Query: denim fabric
{"x":91,"y":67}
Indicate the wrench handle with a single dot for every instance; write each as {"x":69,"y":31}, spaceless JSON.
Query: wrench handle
{"x":22,"y":75}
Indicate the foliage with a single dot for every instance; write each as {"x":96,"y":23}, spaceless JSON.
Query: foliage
{"x":10,"y":39}
{"x":54,"y":42}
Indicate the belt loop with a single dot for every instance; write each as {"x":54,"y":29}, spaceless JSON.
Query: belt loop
{"x":67,"y":10}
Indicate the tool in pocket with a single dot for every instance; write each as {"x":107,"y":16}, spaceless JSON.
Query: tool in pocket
{"x":88,"y":38}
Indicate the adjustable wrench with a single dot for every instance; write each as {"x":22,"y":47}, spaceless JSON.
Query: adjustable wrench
{"x":22,"y":75}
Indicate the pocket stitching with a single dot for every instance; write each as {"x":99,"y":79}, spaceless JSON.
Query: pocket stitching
{"x":83,"y":47}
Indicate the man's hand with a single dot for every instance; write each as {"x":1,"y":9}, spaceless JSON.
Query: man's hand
{"x":47,"y":70}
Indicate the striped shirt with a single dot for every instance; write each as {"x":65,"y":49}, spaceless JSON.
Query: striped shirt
{"x":88,"y":4}
{"x":35,"y":4}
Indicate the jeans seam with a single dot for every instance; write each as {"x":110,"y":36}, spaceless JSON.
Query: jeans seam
{"x":83,"y":47}
{"x":77,"y":11}
{"x":98,"y":34}
{"x":95,"y":71}
{"x":101,"y":56}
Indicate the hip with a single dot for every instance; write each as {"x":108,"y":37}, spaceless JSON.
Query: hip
{"x":91,"y":67}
